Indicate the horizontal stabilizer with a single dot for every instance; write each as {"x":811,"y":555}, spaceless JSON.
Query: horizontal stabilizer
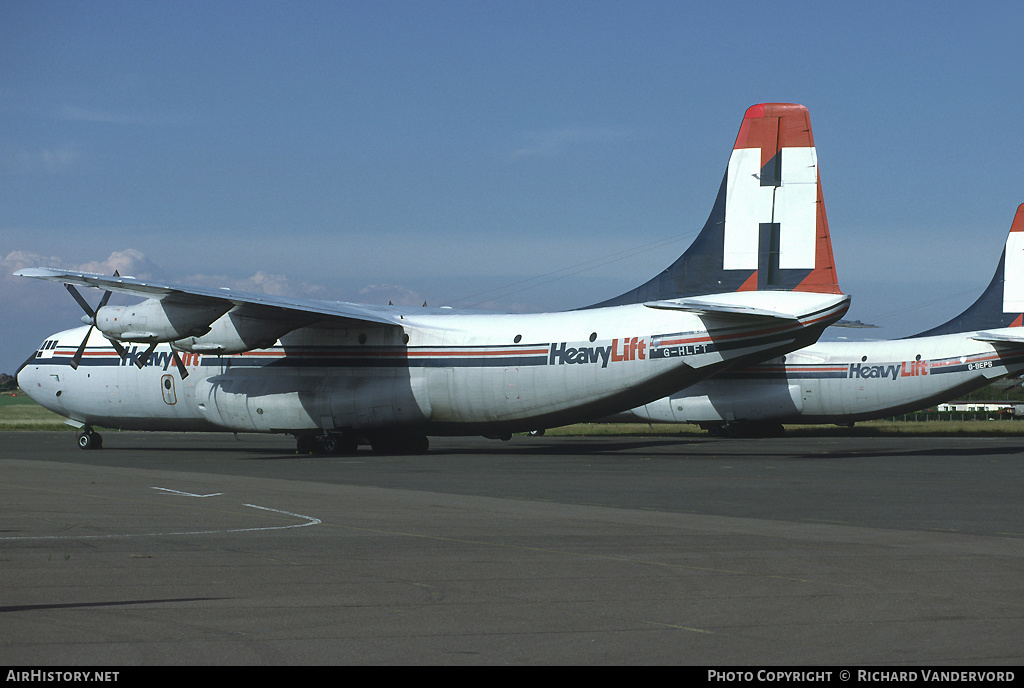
{"x":1006,"y":335}
{"x":711,"y":307}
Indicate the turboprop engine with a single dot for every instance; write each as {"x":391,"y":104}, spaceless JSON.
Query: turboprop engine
{"x":157,"y":320}
{"x":237,"y":332}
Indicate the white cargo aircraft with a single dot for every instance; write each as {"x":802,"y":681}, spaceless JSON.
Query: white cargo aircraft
{"x":844,"y":382}
{"x":758,"y":281}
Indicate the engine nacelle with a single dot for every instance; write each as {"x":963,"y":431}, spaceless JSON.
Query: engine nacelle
{"x":156,"y":320}
{"x":236,"y":333}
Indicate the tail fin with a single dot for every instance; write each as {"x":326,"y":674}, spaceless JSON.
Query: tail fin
{"x":767,"y":230}
{"x":1002,"y":302}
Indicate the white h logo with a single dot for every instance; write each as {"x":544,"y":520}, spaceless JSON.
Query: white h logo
{"x":793,"y":206}
{"x":1013,"y":274}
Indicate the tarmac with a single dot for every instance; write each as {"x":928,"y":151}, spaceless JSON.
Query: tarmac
{"x":206,"y":549}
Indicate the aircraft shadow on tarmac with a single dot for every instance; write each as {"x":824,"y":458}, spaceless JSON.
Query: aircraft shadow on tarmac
{"x":111,"y":603}
{"x":1001,"y":450}
{"x":818,"y":448}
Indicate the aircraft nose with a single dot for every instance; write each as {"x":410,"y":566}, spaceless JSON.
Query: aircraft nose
{"x":40,"y":383}
{"x":87,"y":319}
{"x":27,"y":374}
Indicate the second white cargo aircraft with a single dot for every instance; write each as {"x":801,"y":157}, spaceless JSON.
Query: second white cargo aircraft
{"x":845,"y":382}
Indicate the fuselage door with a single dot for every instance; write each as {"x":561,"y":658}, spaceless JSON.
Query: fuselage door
{"x":511,"y":380}
{"x":167,"y":387}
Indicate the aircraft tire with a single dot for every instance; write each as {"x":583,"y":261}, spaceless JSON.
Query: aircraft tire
{"x":90,"y":440}
{"x":335,"y":444}
{"x":328,"y":444}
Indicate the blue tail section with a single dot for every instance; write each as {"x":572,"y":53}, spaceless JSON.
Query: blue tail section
{"x":767,"y":229}
{"x":1002,"y":302}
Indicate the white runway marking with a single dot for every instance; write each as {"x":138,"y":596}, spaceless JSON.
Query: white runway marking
{"x":187,"y":494}
{"x":308,"y":521}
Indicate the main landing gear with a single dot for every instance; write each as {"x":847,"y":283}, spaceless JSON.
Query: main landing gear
{"x":87,"y":439}
{"x":342,"y":443}
{"x":330,"y":443}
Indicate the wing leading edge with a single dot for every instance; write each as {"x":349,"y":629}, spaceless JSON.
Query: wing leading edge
{"x":254,"y":304}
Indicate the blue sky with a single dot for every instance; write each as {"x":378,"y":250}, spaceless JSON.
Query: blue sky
{"x":508,"y":155}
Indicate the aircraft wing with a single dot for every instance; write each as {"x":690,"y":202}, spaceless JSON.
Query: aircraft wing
{"x":254,"y":304}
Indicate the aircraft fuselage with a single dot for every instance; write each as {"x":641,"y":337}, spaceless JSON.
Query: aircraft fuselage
{"x":439,"y":374}
{"x":842,"y":382}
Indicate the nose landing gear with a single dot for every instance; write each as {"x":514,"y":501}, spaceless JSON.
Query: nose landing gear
{"x":87,"y":439}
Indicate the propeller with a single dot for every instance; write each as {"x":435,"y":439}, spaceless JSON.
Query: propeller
{"x":90,"y":320}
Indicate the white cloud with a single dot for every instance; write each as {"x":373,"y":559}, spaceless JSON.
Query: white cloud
{"x":16,"y":260}
{"x":259,"y":282}
{"x":129,"y":262}
{"x":391,"y":293}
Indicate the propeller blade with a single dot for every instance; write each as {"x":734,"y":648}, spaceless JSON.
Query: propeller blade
{"x":141,"y":360}
{"x":178,"y":362}
{"x":77,"y":358}
{"x":117,"y":347}
{"x":81,"y":301}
